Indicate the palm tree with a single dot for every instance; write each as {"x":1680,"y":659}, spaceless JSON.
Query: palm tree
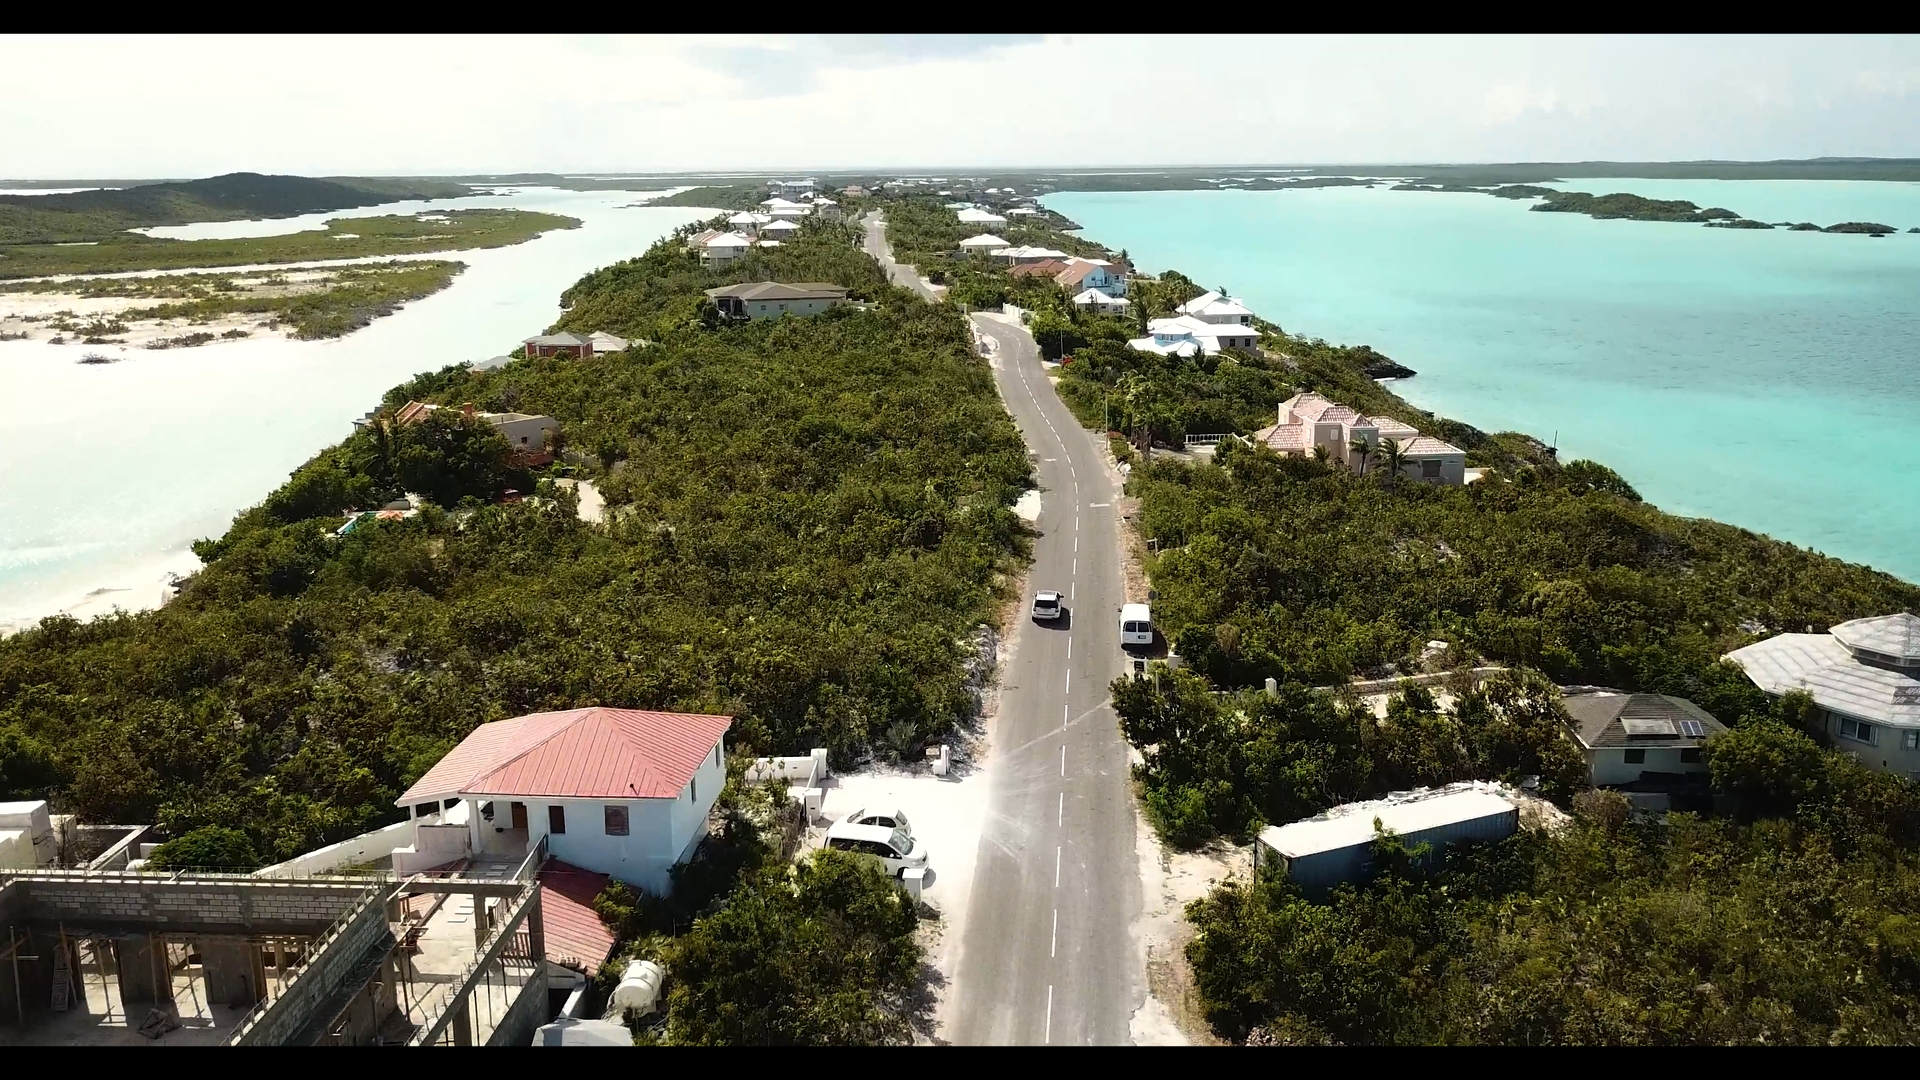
{"x":1392,"y":457}
{"x":1321,"y":454}
{"x":1364,"y":449}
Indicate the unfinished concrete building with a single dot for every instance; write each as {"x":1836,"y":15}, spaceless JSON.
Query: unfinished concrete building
{"x":457,"y":957}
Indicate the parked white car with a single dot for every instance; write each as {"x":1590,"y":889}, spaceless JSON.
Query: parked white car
{"x":886,"y":819}
{"x":1047,"y":606}
{"x":893,"y":847}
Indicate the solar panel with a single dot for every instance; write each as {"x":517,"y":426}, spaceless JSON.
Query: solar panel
{"x":1692,"y":729}
{"x":1639,"y":725}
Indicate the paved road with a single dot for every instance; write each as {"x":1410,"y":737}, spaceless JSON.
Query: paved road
{"x":904,"y":276}
{"x":1047,"y":953}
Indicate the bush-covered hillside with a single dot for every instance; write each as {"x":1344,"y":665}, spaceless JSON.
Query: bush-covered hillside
{"x":807,"y":516}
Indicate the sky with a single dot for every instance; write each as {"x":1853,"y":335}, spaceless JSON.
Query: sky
{"x":142,"y":107}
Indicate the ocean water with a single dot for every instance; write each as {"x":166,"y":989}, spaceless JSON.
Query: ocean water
{"x":109,"y":473}
{"x":1764,"y":378}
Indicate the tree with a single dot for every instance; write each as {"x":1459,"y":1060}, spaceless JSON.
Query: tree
{"x":1392,"y":456}
{"x":1770,"y":768}
{"x":210,"y":847}
{"x":817,"y":954}
{"x":1363,"y":450}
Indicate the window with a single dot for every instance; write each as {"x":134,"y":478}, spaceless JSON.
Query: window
{"x":1690,"y":757}
{"x":1857,"y":731}
{"x":1429,"y":470}
{"x":1910,"y":740}
{"x":1636,"y":757}
{"x":616,"y":821}
{"x":693,"y":790}
{"x":716,"y":753}
{"x":557,"y":820}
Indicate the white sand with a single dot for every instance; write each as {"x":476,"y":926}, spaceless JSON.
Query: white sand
{"x":141,"y":587}
{"x":1169,"y":880}
{"x":946,"y":814}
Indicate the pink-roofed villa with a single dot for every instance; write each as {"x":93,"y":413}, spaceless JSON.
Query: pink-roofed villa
{"x":1307,"y":420}
{"x":620,"y":792}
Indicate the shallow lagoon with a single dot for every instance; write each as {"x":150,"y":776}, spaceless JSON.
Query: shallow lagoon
{"x":1765,"y":378}
{"x":108,"y":473}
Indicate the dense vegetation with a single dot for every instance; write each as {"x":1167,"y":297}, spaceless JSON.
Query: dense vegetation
{"x":720,"y":197}
{"x":1224,"y":766}
{"x":1619,"y":205}
{"x":1789,"y":921}
{"x":102,"y":213}
{"x":321,"y":304}
{"x":806,"y":518}
{"x":343,"y":238}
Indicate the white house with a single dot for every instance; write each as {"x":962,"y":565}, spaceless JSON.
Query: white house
{"x":1022,"y":213}
{"x":827,"y":210}
{"x":782,"y":208}
{"x":1096,"y":274}
{"x":793,"y":189}
{"x":1864,"y":675}
{"x":1213,"y":337}
{"x":723,"y":249}
{"x":1100,"y":303}
{"x":1216,"y":307}
{"x":984,"y":220}
{"x":621,"y":792}
{"x":772,"y":299}
{"x":1308,"y":420}
{"x":1028,"y":254}
{"x":748,"y":222}
{"x":1625,"y":737}
{"x":780,"y":229}
{"x":982,"y":244}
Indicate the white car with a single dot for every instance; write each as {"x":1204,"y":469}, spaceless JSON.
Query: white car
{"x":893,"y":847}
{"x":1047,"y":606}
{"x":886,"y":819}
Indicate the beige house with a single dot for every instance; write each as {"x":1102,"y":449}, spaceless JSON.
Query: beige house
{"x":1649,"y":741}
{"x":724,"y":250}
{"x":1864,"y":675}
{"x":772,"y":299}
{"x":1308,"y":420}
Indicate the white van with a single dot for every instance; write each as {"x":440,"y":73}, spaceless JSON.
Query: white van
{"x":1136,"y":625}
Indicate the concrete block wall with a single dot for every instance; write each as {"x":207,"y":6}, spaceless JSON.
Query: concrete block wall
{"x":206,"y":906}
{"x":323,"y":977}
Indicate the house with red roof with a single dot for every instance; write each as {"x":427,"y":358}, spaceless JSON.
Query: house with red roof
{"x":620,"y":792}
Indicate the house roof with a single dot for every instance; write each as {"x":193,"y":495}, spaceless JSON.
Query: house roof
{"x":1608,"y":718}
{"x":1212,"y":303}
{"x":1390,"y":428}
{"x":1283,"y":437}
{"x":1402,"y":812}
{"x":1047,"y":267}
{"x":411,"y":411}
{"x":1184,"y":347}
{"x":1078,"y":270}
{"x":1892,"y":638}
{"x":1032,"y":253}
{"x":749,"y":217}
{"x":578,"y":754}
{"x":781,"y":290}
{"x":984,"y":240}
{"x":1821,"y":665}
{"x":575,"y":935}
{"x":1094,"y":297}
{"x":729,"y":240}
{"x":979,"y":216}
{"x":559,"y":339}
{"x":1428,"y":446}
{"x":782,"y":225}
{"x":1307,"y":406}
{"x":779,"y":203}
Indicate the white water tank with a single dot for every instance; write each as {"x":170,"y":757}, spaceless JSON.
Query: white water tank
{"x":639,"y":989}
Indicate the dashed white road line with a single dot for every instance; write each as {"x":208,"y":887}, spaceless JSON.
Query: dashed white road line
{"x":1060,"y":818}
{"x":1053,"y":947}
{"x":1049,"y":1012}
{"x":1063,"y":761}
{"x":1056,"y":864}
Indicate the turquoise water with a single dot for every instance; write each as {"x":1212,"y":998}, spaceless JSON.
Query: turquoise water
{"x":1765,"y":378}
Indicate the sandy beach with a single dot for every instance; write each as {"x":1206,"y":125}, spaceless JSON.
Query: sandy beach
{"x":142,"y":585}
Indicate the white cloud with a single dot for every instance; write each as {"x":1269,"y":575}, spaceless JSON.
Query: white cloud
{"x":186,"y":106}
